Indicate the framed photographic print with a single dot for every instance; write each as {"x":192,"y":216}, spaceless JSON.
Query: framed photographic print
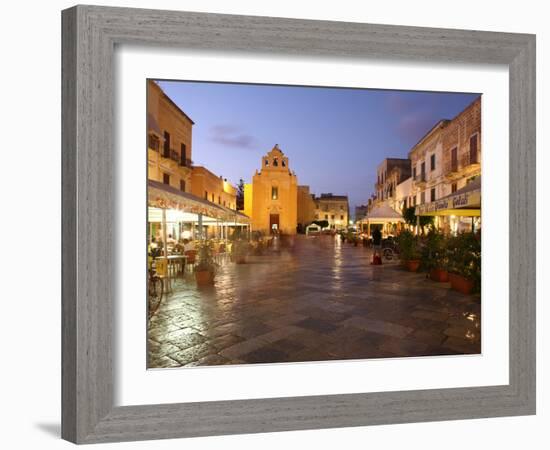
{"x":278,"y":224}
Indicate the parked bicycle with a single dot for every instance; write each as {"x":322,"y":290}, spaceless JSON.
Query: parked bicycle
{"x":390,"y":249}
{"x":155,"y":293}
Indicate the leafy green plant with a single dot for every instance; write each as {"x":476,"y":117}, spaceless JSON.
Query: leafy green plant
{"x":240,"y":195}
{"x":410,"y":218}
{"x":351,"y":237}
{"x":434,"y":251}
{"x":241,"y":248}
{"x":206,"y":258}
{"x":464,"y":257}
{"x":408,"y":246}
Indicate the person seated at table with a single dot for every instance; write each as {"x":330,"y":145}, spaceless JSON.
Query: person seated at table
{"x":179,"y":248}
{"x":160,"y":243}
{"x":188,"y":245}
{"x":154,"y":248}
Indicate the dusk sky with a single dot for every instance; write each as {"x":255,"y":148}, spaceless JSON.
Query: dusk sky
{"x":334,"y":138}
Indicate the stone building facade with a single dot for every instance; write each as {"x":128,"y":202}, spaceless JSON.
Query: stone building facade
{"x":215,"y":189}
{"x":334,"y":209}
{"x":361,"y":212}
{"x":403,"y":195}
{"x":462,"y":147}
{"x":446,"y":159}
{"x":169,"y":140}
{"x":306,"y":207}
{"x":389,"y":174}
{"x":448,"y":156}
{"x":271,"y":200}
{"x":428,"y":178}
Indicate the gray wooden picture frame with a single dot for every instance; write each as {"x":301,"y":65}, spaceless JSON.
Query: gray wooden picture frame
{"x":90,"y":34}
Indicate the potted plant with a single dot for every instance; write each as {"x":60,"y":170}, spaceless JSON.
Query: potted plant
{"x":351,"y":238}
{"x":205,"y":270}
{"x":258,"y":243}
{"x":434,"y":256}
{"x":464,"y":259}
{"x":240,"y":246}
{"x":408,"y":250}
{"x":240,"y":251}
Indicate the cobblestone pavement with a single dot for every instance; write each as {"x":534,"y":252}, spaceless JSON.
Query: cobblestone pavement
{"x":323,"y":301}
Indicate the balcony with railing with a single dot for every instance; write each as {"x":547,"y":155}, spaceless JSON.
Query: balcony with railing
{"x":455,"y":166}
{"x":174,"y":155}
{"x":451,"y":167}
{"x":171,"y":155}
{"x":420,"y":178}
{"x":154,"y":143}
{"x":186,"y":162}
{"x":469,"y":159}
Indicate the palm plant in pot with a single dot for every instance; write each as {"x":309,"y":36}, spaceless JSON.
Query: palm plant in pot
{"x":434,"y":256}
{"x":464,"y":256}
{"x":205,"y":270}
{"x":408,"y":250}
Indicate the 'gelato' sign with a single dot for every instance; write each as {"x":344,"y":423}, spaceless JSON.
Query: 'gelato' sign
{"x":466,"y":200}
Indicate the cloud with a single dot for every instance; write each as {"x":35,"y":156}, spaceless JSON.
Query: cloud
{"x":414,"y":117}
{"x":232,"y":136}
{"x":399,"y":103}
{"x":412,"y":126}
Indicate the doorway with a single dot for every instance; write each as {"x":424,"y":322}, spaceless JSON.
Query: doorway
{"x":274,"y":223}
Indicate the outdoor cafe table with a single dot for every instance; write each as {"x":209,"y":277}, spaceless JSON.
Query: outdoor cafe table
{"x":172,"y":261}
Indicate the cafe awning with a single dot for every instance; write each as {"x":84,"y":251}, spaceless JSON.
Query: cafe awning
{"x":382,"y":213}
{"x":464,"y":202}
{"x":162,"y":196}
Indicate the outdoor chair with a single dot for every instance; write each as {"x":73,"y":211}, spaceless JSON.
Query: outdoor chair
{"x":191,"y":259}
{"x":161,"y":270}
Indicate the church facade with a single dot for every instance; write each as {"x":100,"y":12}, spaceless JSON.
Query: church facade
{"x":271,"y":200}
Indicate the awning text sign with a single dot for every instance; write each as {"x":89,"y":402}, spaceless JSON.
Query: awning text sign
{"x":468,"y":200}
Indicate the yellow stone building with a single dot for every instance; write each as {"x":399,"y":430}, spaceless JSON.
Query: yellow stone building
{"x":306,"y":207}
{"x":271,"y":200}
{"x":334,"y":209}
{"x":207,"y":185}
{"x":169,"y":137}
{"x":183,"y":201}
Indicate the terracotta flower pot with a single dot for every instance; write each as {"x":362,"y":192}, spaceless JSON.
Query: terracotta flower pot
{"x":461,"y":284}
{"x":440,"y":275}
{"x":376,"y":260}
{"x":413,"y":265}
{"x":204,"y":277}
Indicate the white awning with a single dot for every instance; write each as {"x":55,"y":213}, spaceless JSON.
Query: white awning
{"x":167,"y":197}
{"x":382,"y":213}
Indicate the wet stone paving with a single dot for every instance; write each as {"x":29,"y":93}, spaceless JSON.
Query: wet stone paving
{"x":322,"y":301}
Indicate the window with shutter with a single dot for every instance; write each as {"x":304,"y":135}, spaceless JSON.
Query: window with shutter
{"x":473,"y":149}
{"x":166,"y":148}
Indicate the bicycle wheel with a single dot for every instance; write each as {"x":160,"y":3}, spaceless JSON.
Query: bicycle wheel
{"x":388,"y":254}
{"x":156,"y":291}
